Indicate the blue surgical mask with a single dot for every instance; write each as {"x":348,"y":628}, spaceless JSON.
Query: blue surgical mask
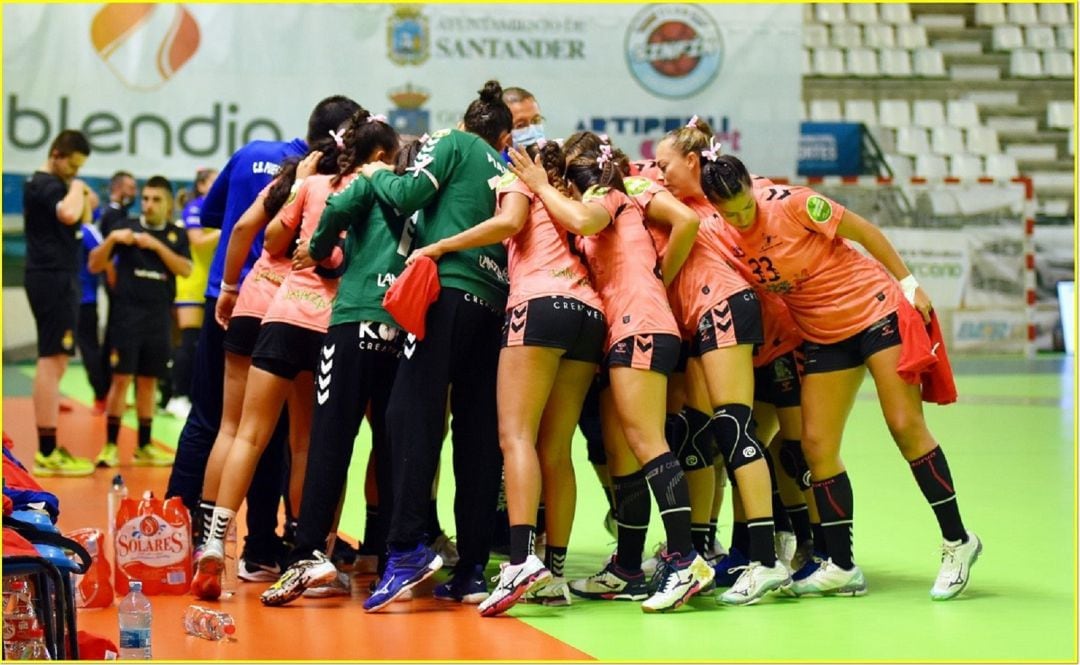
{"x":527,"y":135}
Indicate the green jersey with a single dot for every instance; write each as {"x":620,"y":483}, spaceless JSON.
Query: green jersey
{"x":453,"y":181}
{"x":376,"y":245}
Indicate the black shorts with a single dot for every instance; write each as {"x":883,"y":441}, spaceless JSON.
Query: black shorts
{"x":853,"y":351}
{"x":778,"y":383}
{"x":684,"y":357}
{"x":286,"y":350}
{"x":659,"y":353}
{"x":730,"y":322}
{"x":141,"y":340}
{"x":54,"y":301}
{"x":560,"y":323}
{"x":241,"y":335}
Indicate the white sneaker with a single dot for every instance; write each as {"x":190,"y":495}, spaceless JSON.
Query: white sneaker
{"x":649,"y":566}
{"x":556,"y":593}
{"x":831,"y":580}
{"x":447,"y":550}
{"x":178,"y":407}
{"x":786,"y":545}
{"x":714,"y":553}
{"x":341,"y":585}
{"x":511,"y":584}
{"x":956,"y":561}
{"x":755,"y":581}
{"x":679,"y":580}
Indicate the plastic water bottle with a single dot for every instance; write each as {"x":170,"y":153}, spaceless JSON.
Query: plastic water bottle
{"x":23,"y":636}
{"x":135,"y":617}
{"x":229,"y":579}
{"x":118,"y":491}
{"x":208,"y":624}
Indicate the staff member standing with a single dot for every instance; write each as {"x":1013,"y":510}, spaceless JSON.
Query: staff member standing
{"x":55,"y":204}
{"x":150,"y":252}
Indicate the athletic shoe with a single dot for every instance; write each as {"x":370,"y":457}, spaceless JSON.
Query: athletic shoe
{"x":108,"y":457}
{"x":407,"y":596}
{"x":447,"y":550}
{"x":680,"y":578}
{"x":729,"y":567}
{"x":258,"y":571}
{"x":540,"y":545}
{"x":830,"y":580}
{"x":785,"y":544}
{"x":956,"y":561}
{"x":804,"y":554}
{"x":808,"y":568}
{"x":209,"y":569}
{"x":61,"y":463}
{"x":512,"y":582}
{"x":714,"y":553}
{"x":344,"y":555}
{"x":151,"y":455}
{"x":464,"y":587}
{"x":178,"y":407}
{"x":341,"y":585}
{"x":612,"y":583}
{"x":555,"y":593}
{"x":404,"y":570}
{"x":756,"y":581}
{"x":298,"y":578}
{"x":649,"y":566}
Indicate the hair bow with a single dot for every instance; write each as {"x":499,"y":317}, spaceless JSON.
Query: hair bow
{"x":378,"y":117}
{"x":693,"y":122}
{"x":712,"y":153}
{"x":424,"y":138}
{"x":605,"y":156}
{"x":339,"y":138}
{"x":540,"y":143}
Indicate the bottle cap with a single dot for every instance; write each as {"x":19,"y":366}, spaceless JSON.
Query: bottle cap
{"x":118,"y":480}
{"x":229,"y":629}
{"x":135,"y":585}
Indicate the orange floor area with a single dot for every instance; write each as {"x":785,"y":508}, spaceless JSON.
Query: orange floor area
{"x":307,"y":630}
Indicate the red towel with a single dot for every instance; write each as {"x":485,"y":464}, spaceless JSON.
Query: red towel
{"x":923,"y":359}
{"x":408,"y":298}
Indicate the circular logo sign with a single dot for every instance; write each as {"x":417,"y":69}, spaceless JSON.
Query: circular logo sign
{"x":148,"y":526}
{"x":674,"y":50}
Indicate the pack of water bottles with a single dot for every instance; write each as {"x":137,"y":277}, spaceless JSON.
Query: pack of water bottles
{"x":24,"y":638}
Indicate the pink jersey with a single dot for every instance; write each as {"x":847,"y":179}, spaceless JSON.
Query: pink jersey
{"x":781,"y":333}
{"x":540,"y":259}
{"x":261,"y":282}
{"x":792,"y":250}
{"x":305,"y":298}
{"x":626,"y":270}
{"x":705,"y":278}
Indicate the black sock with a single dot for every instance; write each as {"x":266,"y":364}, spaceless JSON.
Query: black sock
{"x":609,"y":494}
{"x":799,"y":516}
{"x":820,"y":546}
{"x":699,"y":536}
{"x":522,"y":540}
{"x":632,"y":506}
{"x":740,"y":537}
{"x":780,"y":518}
{"x":144,"y":432}
{"x":112,"y":429}
{"x":46,"y":440}
{"x":672,"y":494}
{"x":711,"y":540}
{"x":434,"y":528}
{"x":932,"y":473}
{"x":541,"y":518}
{"x":371,"y":519}
{"x":762,"y":546}
{"x":836,"y":505}
{"x":555,"y":560}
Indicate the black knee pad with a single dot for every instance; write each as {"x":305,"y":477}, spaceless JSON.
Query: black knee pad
{"x":697,"y":451}
{"x":734,"y":431}
{"x":794,"y":462}
{"x":676,"y":432}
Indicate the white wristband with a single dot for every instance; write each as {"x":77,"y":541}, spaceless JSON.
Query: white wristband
{"x":229,"y":288}
{"x":908,"y":286}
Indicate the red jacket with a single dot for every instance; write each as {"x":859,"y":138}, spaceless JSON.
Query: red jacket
{"x":923,"y":359}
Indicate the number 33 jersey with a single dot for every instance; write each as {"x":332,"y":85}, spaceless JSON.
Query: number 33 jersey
{"x":832,"y":290}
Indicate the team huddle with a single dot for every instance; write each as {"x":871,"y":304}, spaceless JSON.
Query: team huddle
{"x":703,"y":326}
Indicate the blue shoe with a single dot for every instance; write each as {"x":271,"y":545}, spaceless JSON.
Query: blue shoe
{"x":729,"y":567}
{"x":466,"y":587}
{"x":404,"y":570}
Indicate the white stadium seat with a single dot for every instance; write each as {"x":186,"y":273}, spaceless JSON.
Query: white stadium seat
{"x":896,"y":63}
{"x":1054,"y":13}
{"x":863,"y":62}
{"x":1022,"y":13}
{"x":989,"y":13}
{"x":829,"y":62}
{"x":879,"y":35}
{"x":931,"y":166}
{"x":965,"y":166}
{"x":1001,"y":166}
{"x":862,"y":13}
{"x":895,"y":13}
{"x":982,"y":141}
{"x":1040,"y":37}
{"x":928,"y":63}
{"x":911,"y":36}
{"x":830,"y":12}
{"x":894,"y":113}
{"x":815,"y":35}
{"x":927,"y":113}
{"x":825,"y":110}
{"x":947,"y":140}
{"x":1058,"y":64}
{"x":1025,"y":63}
{"x":1060,"y":114}
{"x":1006,"y":38}
{"x":846,"y":35}
{"x":861,"y":110}
{"x":962,"y":113}
{"x":912,"y":141}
